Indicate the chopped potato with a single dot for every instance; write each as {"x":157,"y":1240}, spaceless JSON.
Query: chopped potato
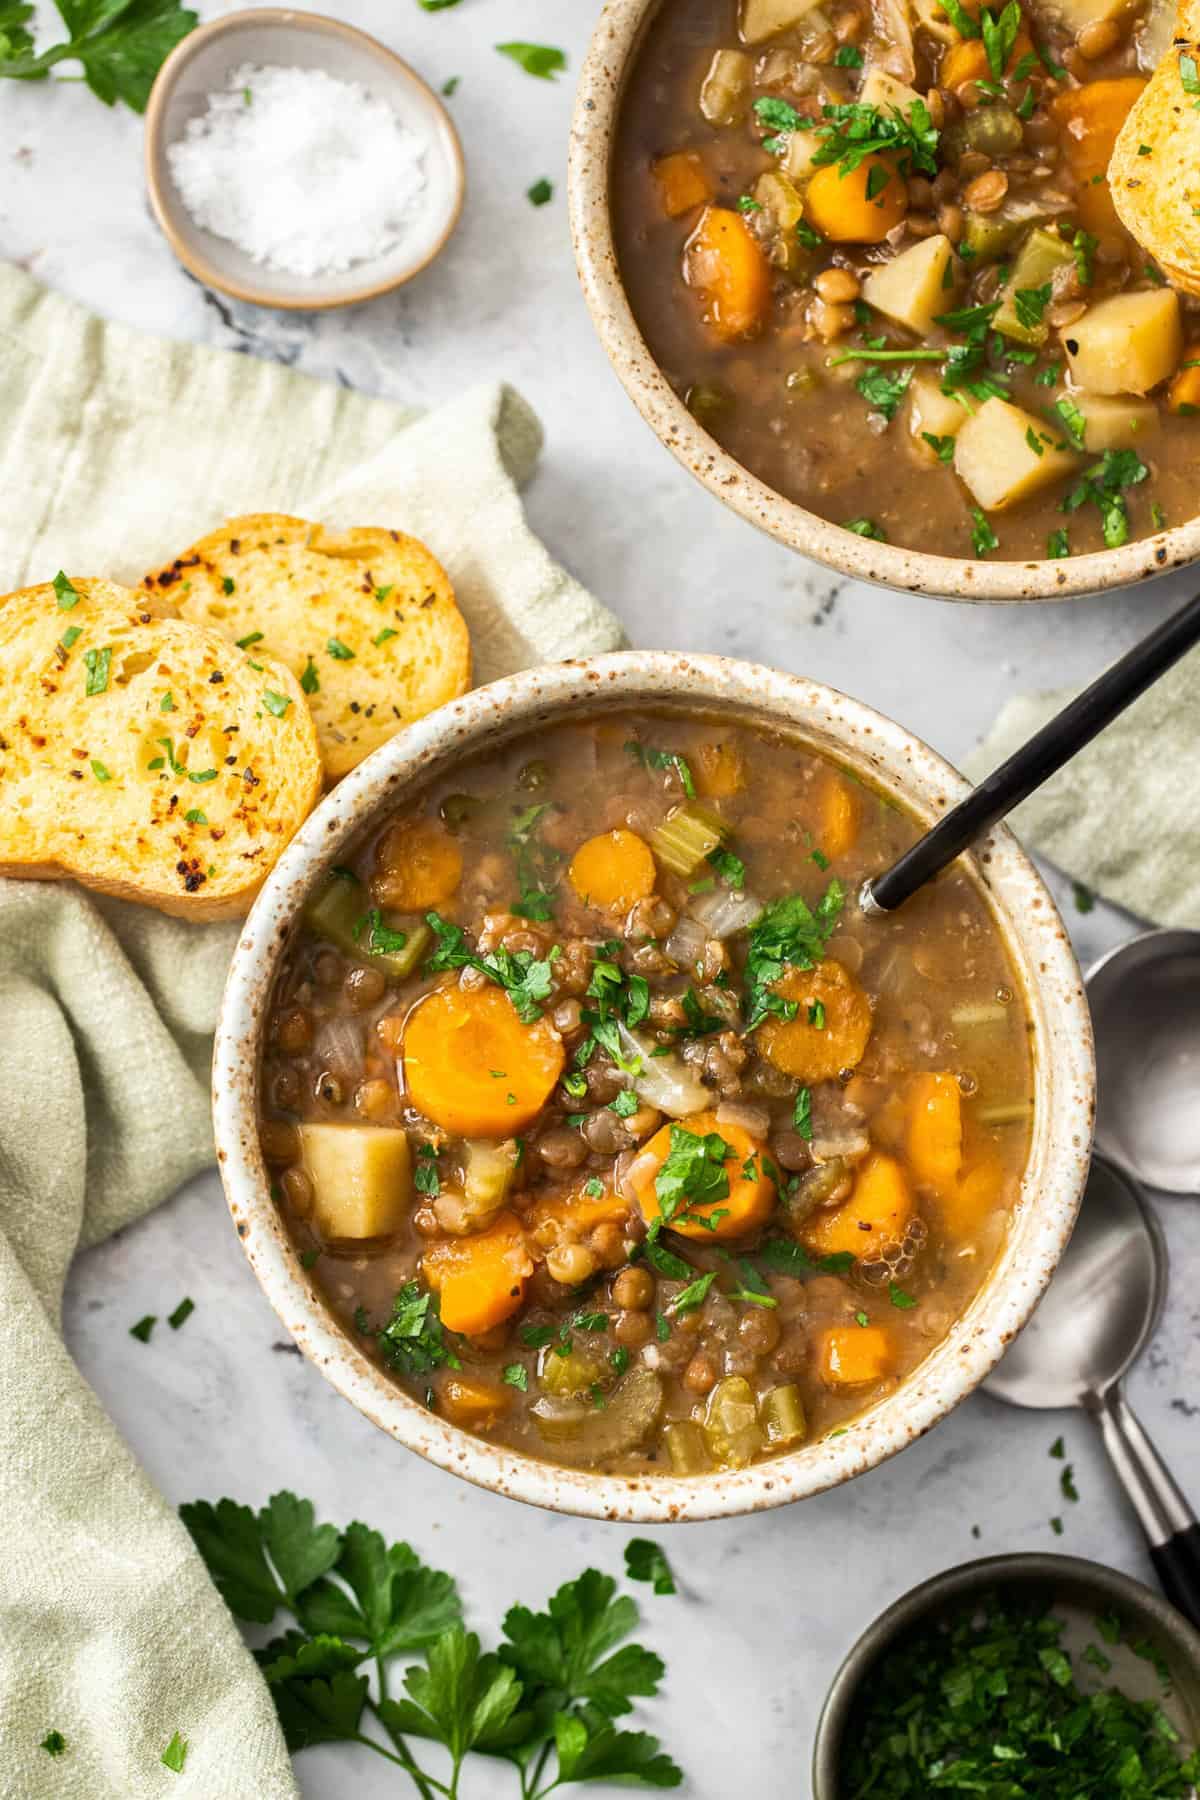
{"x":1077,"y":14}
{"x":1114,"y":424}
{"x":802,"y":147}
{"x":934,"y":413}
{"x":879,"y":89}
{"x":725,"y":90}
{"x":762,"y":19}
{"x":1003,"y":454}
{"x":1126,"y":344}
{"x":911,"y":288}
{"x":361,"y":1176}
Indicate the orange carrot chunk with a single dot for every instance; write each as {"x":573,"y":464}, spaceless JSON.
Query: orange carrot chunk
{"x":1091,"y":118}
{"x":853,"y":1355}
{"x":966,"y":1206}
{"x":480,"y":1280}
{"x":1183,"y":395}
{"x":613,"y":871}
{"x":858,"y":208}
{"x":682,"y":182}
{"x":580,"y":1210}
{"x":876,"y":1213}
{"x":472,"y":1402}
{"x":719,"y":770}
{"x":968,"y":61}
{"x":751,"y":1197}
{"x":831,"y":1027}
{"x":935,"y":1131}
{"x":838,"y":817}
{"x":472,"y":1067}
{"x":724,"y":263}
{"x":418,"y":865}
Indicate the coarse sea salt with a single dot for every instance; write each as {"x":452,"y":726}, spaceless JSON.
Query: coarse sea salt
{"x":306,"y":174}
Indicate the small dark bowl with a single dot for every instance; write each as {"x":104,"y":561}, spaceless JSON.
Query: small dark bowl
{"x":1068,"y":1578}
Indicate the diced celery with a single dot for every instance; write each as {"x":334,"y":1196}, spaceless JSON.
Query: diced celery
{"x":686,"y":1448}
{"x":1042,"y":255}
{"x":686,"y":836}
{"x":488,"y":1170}
{"x":1005,"y":1112}
{"x":970,"y":1018}
{"x":731,"y":1425}
{"x":574,"y":1374}
{"x":336,"y":910}
{"x":783,"y":1420}
{"x":399,"y":964}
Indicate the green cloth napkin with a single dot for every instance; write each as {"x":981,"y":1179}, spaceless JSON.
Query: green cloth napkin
{"x":1121,"y":817}
{"x":116,"y":450}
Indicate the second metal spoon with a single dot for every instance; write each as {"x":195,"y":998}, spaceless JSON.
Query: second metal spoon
{"x":1093,"y":1322}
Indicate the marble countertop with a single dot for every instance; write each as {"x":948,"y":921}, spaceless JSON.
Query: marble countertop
{"x":224,"y":1407}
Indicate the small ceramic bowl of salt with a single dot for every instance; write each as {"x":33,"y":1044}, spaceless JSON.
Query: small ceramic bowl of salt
{"x":295,"y":162}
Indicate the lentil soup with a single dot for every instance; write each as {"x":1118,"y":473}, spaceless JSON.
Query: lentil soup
{"x":608,"y":1123}
{"x":873,"y":249}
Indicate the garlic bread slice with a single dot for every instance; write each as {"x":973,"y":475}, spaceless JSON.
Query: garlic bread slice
{"x":1154,"y":174}
{"x":145,"y":756}
{"x":366,"y":620}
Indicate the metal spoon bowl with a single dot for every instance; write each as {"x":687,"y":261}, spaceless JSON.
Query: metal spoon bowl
{"x":1093,"y":1321}
{"x":1145,"y":1000}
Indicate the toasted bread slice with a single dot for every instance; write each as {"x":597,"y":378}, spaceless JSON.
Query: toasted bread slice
{"x":145,"y":756}
{"x":1152,"y":175}
{"x":366,"y":620}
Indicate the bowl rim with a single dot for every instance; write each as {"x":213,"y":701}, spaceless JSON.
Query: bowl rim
{"x":861,"y":739}
{"x":187,"y":251}
{"x":938,"y":1591}
{"x":594,"y":120}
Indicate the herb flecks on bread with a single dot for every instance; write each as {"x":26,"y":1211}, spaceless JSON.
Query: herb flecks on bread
{"x":365,"y":619}
{"x":145,"y":756}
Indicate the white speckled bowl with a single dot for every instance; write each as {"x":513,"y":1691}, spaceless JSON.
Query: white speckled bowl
{"x":618,"y":35}
{"x":893,"y":760}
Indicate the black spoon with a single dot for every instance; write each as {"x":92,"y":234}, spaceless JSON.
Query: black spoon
{"x":1027,"y":768}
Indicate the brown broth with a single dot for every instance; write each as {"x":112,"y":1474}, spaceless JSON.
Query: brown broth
{"x":942,"y":1000}
{"x":770,"y":397}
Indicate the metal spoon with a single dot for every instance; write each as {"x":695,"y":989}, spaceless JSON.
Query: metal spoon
{"x":1145,"y":1000}
{"x":1095,"y":1319}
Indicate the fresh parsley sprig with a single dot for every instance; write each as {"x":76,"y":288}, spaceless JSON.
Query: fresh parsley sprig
{"x":546,"y":1700}
{"x":120,"y":44}
{"x":526,"y":979}
{"x":788,"y":933}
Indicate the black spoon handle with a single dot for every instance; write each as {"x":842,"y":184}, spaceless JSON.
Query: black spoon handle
{"x":1172,"y":1531}
{"x":1027,"y":768}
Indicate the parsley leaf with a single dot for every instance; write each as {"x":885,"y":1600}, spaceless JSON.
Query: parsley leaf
{"x":413,"y":1340}
{"x":867,"y":528}
{"x":526,"y":979}
{"x":1101,"y":485}
{"x":394,"y":1602}
{"x":536,"y":865}
{"x":664,"y":759}
{"x":883,"y":392}
{"x":787,"y":932}
{"x":235,"y":1543}
{"x":647,"y":1561}
{"x":175,"y":1754}
{"x":693,"y":1172}
{"x":541,"y":60}
{"x":120,"y":43}
{"x":566,"y":1649}
{"x":983,"y":538}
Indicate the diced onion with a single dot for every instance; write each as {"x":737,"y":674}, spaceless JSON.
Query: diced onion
{"x":338,"y":1047}
{"x":754,"y":1119}
{"x":685,"y":946}
{"x":849,"y":1145}
{"x":722,"y":912}
{"x":988,"y":1012}
{"x":664,"y":1082}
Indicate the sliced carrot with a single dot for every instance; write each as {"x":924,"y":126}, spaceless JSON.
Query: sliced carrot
{"x":472,"y":1402}
{"x":877,"y":1212}
{"x":935,"y":1131}
{"x":472,"y":1067}
{"x":968,"y":1204}
{"x":580,"y":1209}
{"x":751,"y":1197}
{"x":830,"y":1030}
{"x":725,"y":264}
{"x":1091,"y":118}
{"x":968,"y":61}
{"x":1183,"y":395}
{"x":719,"y":769}
{"x":858,"y":208}
{"x":418,"y":865}
{"x":682,"y":182}
{"x":853,"y":1355}
{"x":613,"y":871}
{"x":479,"y":1280}
{"x":839,"y":814}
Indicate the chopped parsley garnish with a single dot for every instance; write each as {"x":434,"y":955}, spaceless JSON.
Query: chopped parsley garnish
{"x":1066,"y":1482}
{"x":426,"y":1179}
{"x":516,"y":1375}
{"x":540,"y":193}
{"x":787,"y":932}
{"x":999,"y":36}
{"x":66,"y":596}
{"x":748,"y":204}
{"x":542,"y":60}
{"x":692,"y":1296}
{"x":866,"y":528}
{"x":802,"y":1113}
{"x":1189,"y":75}
{"x":625,"y":1104}
{"x":1084,"y":900}
{"x":663,"y":759}
{"x":182,"y":1312}
{"x":729,"y":867}
{"x":97,"y":664}
{"x":693,"y":1173}
{"x":276,"y":704}
{"x":849,"y":56}
{"x":536,"y":865}
{"x":383,"y":636}
{"x":983,"y":538}
{"x":1101,"y":485}
{"x":1049,"y":375}
{"x":413,"y":1341}
{"x":942,"y":447}
{"x":54,"y":1743}
{"x":1084,"y":246}
{"x":99,"y":771}
{"x":899,"y":1297}
{"x":227,"y":584}
{"x":1058,"y":544}
{"x":1072,"y":418}
{"x":339,"y":651}
{"x":1030,"y":303}
{"x":310,"y":681}
{"x":883,"y":391}
{"x":647,"y":1561}
{"x":526,"y":979}
{"x":808,"y":235}
{"x":141,"y":1331}
{"x":251,"y":637}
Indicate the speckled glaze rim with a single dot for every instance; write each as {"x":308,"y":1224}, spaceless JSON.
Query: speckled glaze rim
{"x":185,"y":248}
{"x":1074,"y":1577}
{"x":614,"y":42}
{"x":893,"y":760}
